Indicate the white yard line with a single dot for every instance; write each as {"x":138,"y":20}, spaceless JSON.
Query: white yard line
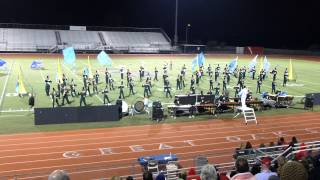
{"x":16,"y":110}
{"x":42,"y":75}
{"x":79,"y":79}
{"x":5,"y":85}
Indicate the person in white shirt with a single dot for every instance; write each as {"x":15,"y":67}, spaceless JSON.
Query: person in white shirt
{"x":265,"y":170}
{"x":243,"y":96}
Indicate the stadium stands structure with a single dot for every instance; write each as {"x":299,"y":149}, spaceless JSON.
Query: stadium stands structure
{"x":123,"y":40}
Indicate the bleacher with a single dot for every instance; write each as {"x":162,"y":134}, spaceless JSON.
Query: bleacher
{"x":49,"y":40}
{"x":137,"y":41}
{"x":80,"y":40}
{"x":26,"y":39}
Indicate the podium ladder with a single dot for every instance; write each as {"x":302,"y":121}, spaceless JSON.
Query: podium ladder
{"x":249,"y":115}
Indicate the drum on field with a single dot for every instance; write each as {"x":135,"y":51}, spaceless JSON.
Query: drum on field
{"x":139,"y":106}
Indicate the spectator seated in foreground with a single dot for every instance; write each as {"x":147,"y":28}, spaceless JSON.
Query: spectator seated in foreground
{"x":242,"y":170}
{"x":192,"y":175}
{"x":208,"y":172}
{"x":265,"y":169}
{"x":293,"y":170}
{"x":59,"y":175}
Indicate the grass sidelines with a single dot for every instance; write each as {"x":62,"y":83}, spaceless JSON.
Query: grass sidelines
{"x":15,"y":118}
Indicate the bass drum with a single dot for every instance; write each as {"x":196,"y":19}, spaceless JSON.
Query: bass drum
{"x":139,"y":106}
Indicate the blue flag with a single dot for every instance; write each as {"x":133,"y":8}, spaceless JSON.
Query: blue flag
{"x":253,"y":63}
{"x":69,"y":55}
{"x":17,"y":87}
{"x":266,"y":64}
{"x":194,"y":64}
{"x":86,"y":71}
{"x":36,"y":64}
{"x":201,"y":59}
{"x":2,"y":62}
{"x":104,"y":59}
{"x":232,"y":65}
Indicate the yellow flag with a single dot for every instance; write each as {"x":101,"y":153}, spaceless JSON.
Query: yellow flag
{"x":90,"y":75}
{"x":22,"y":89}
{"x":59,"y":73}
{"x":290,"y":72}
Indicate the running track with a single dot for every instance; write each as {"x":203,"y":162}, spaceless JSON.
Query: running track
{"x":35,"y":155}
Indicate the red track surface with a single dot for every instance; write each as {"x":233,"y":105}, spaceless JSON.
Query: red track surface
{"x":41,"y":153}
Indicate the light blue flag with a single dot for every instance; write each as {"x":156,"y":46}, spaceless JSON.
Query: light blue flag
{"x":253,"y":63}
{"x":69,"y":55}
{"x":104,"y":59}
{"x":194,"y":64}
{"x":201,"y":59}
{"x":17,"y":87}
{"x":232,"y":65}
{"x":266,"y":64}
{"x":86,"y":71}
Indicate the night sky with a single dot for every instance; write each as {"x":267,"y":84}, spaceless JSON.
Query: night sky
{"x":274,"y":24}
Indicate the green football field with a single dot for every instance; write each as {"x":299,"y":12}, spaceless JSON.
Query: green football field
{"x":16,"y":117}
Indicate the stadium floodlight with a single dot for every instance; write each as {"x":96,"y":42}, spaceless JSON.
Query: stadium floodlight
{"x":176,"y":24}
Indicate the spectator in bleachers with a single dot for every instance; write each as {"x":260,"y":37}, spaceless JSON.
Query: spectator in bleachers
{"x":270,"y":149}
{"x":208,"y":172}
{"x":281,"y":162}
{"x":315,"y":172}
{"x":262,"y":145}
{"x":182,"y":175}
{"x":147,"y":175}
{"x":242,"y":168}
{"x":242,"y":150}
{"x":302,"y":152}
{"x":248,"y":145}
{"x":192,"y":175}
{"x":293,"y":170}
{"x":265,"y":169}
{"x":256,"y":168}
{"x":129,"y":178}
{"x":115,"y":178}
{"x":160,"y":176}
{"x":293,"y":141}
{"x":281,"y":141}
{"x":59,"y":175}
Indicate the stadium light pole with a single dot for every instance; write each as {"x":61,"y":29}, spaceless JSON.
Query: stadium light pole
{"x":176,"y":24}
{"x":187,"y":32}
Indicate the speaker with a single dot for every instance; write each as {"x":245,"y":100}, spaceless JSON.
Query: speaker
{"x":119,"y":104}
{"x":315,"y":98}
{"x":308,"y":102}
{"x":156,"y":104}
{"x":157,"y":114}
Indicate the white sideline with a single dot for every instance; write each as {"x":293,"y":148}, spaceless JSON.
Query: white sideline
{"x":16,"y":110}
